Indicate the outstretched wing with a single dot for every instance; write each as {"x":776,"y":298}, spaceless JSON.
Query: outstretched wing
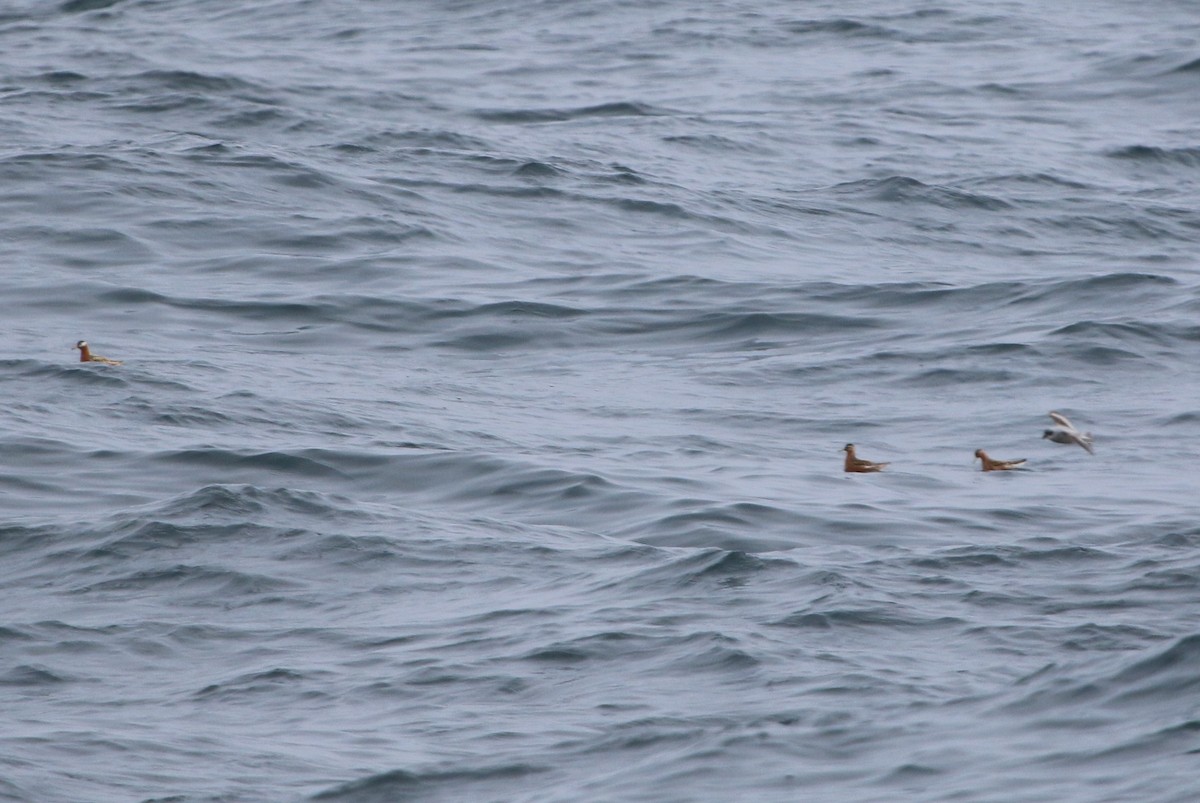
{"x":1061,"y":420}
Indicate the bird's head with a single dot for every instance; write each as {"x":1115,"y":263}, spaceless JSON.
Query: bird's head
{"x":82,"y":344}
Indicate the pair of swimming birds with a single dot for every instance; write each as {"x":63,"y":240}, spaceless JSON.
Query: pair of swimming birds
{"x":1065,"y":433}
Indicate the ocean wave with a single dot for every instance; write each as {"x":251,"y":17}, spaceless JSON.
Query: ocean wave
{"x":189,"y":80}
{"x":906,"y":190}
{"x":82,"y":6}
{"x":462,"y":784}
{"x":267,"y":682}
{"x":222,"y":586}
{"x":1129,"y":332}
{"x":509,"y":323}
{"x":26,"y":675}
{"x":839,"y":26}
{"x":1185,"y":157}
{"x":886,"y":618}
{"x":1156,"y":680}
{"x":1187,"y":67}
{"x":737,"y":528}
{"x":602,"y":110}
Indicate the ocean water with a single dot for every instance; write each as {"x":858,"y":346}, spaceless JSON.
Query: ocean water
{"x":487,"y":367}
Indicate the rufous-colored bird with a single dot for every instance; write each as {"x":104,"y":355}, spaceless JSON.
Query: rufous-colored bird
{"x":997,"y":465}
{"x":85,"y":355}
{"x":856,"y":465}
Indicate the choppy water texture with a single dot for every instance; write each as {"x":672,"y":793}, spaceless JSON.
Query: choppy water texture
{"x":487,"y":367}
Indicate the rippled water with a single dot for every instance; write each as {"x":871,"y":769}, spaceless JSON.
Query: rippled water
{"x":486,"y":371}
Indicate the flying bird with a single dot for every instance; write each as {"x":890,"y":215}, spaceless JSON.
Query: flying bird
{"x":1066,"y":433}
{"x":85,"y":355}
{"x":997,"y":465}
{"x":856,"y":465}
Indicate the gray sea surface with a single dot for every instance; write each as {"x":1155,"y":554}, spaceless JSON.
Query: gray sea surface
{"x":487,"y":367}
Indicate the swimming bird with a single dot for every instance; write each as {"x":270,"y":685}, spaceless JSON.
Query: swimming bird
{"x":85,"y":355}
{"x":1066,"y":433}
{"x":856,"y":465}
{"x":996,"y":465}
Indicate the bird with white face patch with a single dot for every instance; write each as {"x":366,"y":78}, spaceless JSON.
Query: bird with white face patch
{"x":85,"y":355}
{"x":1066,"y":433}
